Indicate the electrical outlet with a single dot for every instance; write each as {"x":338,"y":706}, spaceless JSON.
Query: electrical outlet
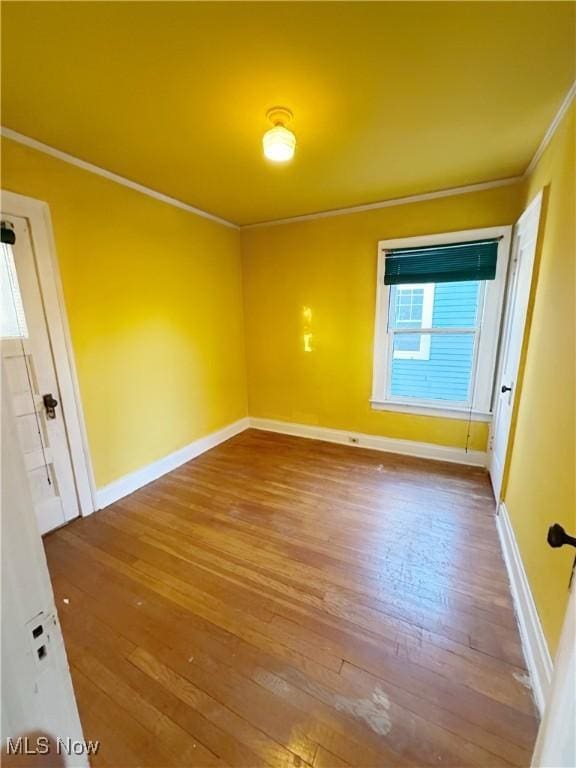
{"x":40,"y":636}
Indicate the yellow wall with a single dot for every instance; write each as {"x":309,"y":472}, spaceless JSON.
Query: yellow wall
{"x":329,"y":265}
{"x":153,"y":296}
{"x":540,"y":488}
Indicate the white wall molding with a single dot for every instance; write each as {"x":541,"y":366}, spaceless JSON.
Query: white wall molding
{"x":374,"y":442}
{"x":129,"y":483}
{"x":534,"y":643}
{"x":389,"y":203}
{"x":39,"y":146}
{"x":552,"y":129}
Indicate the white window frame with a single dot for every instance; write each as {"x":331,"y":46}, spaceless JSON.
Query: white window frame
{"x":486,"y":349}
{"x":423,"y":353}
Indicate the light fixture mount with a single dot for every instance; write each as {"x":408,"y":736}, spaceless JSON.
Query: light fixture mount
{"x":279,"y":116}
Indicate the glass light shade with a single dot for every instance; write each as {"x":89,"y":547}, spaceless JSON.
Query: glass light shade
{"x":279,"y":144}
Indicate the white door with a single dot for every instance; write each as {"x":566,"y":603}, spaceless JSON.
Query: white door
{"x":31,"y":377}
{"x":37,"y":695}
{"x":556,"y":743}
{"x":520,"y":280}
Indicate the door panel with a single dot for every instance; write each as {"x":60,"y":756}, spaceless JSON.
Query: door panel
{"x":520,"y":279}
{"x":30,"y":374}
{"x":37,"y":694}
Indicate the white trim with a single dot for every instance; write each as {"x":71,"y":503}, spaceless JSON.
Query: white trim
{"x":486,"y":331}
{"x":443,"y":238}
{"x":444,"y":412}
{"x":374,"y":442}
{"x":38,"y":215}
{"x":110,"y":493}
{"x":483,"y":185}
{"x":39,"y":146}
{"x":534,"y":643}
{"x":564,"y":107}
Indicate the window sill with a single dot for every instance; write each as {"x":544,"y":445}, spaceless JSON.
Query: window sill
{"x":445,"y":412}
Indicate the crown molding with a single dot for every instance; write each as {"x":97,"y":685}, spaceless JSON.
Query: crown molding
{"x":440,"y":193}
{"x":452,"y":191}
{"x":27,"y":141}
{"x":389,"y":203}
{"x":564,"y":107}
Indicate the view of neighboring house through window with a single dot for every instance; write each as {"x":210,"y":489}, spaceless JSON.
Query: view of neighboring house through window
{"x":439,"y":306}
{"x":436,"y":364}
{"x":412,"y":309}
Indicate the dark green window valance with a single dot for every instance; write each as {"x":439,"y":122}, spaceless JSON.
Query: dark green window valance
{"x":442,"y":263}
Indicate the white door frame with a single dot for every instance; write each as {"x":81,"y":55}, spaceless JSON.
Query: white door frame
{"x":556,"y":742}
{"x":533,"y":210}
{"x":37,"y":214}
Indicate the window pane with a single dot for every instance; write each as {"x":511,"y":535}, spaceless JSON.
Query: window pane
{"x":408,"y":342}
{"x":456,"y":304}
{"x":12,"y":320}
{"x":407,"y":304}
{"x":443,"y":372}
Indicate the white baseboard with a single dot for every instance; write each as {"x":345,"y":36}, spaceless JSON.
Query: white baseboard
{"x":116,"y":490}
{"x":375,"y":442}
{"x":130,"y":483}
{"x":534,"y":643}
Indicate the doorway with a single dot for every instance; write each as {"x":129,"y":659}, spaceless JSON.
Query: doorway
{"x":524,"y":242}
{"x":38,"y":367}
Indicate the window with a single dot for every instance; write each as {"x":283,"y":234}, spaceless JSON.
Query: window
{"x":439,"y":305}
{"x":12,"y":319}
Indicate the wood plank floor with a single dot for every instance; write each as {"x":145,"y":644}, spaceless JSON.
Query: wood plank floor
{"x":281,"y":601}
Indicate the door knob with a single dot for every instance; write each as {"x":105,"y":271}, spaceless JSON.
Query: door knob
{"x":50,"y":404}
{"x":557,"y":536}
{"x":505,"y":389}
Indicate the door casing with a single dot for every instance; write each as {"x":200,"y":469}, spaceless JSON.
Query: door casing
{"x":37,"y":214}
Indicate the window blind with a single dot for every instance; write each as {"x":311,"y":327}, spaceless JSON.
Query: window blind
{"x":450,"y":263}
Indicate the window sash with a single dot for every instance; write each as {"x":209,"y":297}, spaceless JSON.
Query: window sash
{"x":441,"y":402}
{"x":444,"y":329}
{"x":428,"y":333}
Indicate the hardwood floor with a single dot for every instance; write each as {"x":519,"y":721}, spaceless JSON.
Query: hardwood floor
{"x":280,"y":601}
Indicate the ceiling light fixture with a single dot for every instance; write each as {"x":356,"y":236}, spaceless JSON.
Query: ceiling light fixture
{"x":279,"y":143}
